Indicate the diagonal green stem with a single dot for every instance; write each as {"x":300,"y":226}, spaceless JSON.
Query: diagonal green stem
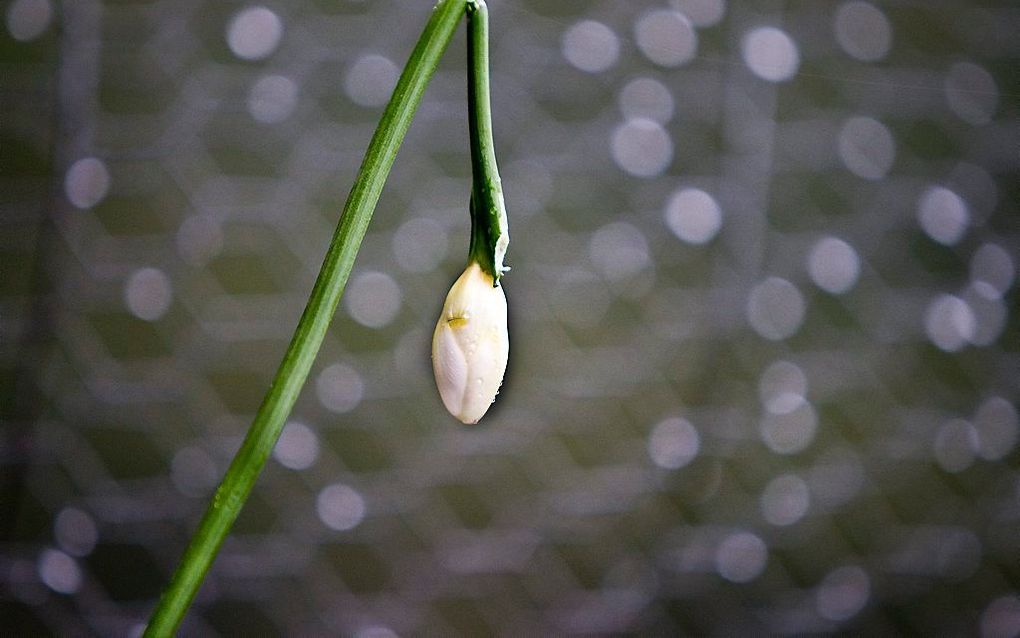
{"x":311,"y":329}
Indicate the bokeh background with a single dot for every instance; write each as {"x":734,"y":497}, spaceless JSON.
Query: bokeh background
{"x":764,"y":363}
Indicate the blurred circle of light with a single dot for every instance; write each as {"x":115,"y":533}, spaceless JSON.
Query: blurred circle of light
{"x":407,"y":354}
{"x":298,"y":446}
{"x":59,"y":571}
{"x":666,"y":37}
{"x":791,"y":432}
{"x":943,"y":215}
{"x":199,"y":239}
{"x":254,"y":33}
{"x":580,"y":299}
{"x":836,"y":478}
{"x":782,"y":387}
{"x":370,"y":80}
{"x":193,"y":471}
{"x":702,"y":13}
{"x":148,"y":293}
{"x":1001,"y":618}
{"x":741,"y":557}
{"x":693,"y":215}
{"x":992,"y":271}
{"x":673,"y":443}
{"x":87,"y":182}
{"x":972,"y":93}
{"x":956,"y":445}
{"x":997,"y":429}
{"x":989,"y":316}
{"x":642,"y":147}
{"x":770,"y":54}
{"x":863,"y":31}
{"x":23,"y":575}
{"x":339,"y":388}
{"x":75,"y":532}
{"x":272,"y":99}
{"x":843,"y":593}
{"x":528,"y":186}
{"x":619,"y":250}
{"x":866,"y":148}
{"x":833,"y":265}
{"x":955,"y":551}
{"x":775,"y":309}
{"x":28,"y":19}
{"x":590,"y":46}
{"x":647,"y":98}
{"x":978,"y":188}
{"x":949,"y":323}
{"x":373,"y":299}
{"x":420,"y":244}
{"x":631,"y":582}
{"x":376,"y":631}
{"x":785,"y":500}
{"x":339,"y":507}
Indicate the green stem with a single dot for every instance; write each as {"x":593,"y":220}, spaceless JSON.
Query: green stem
{"x":489,"y":232}
{"x":311,"y":329}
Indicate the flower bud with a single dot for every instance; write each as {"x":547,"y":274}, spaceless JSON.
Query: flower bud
{"x":471,"y":345}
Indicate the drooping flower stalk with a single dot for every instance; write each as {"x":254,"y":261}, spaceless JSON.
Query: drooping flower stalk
{"x":490,"y":235}
{"x":471,"y":344}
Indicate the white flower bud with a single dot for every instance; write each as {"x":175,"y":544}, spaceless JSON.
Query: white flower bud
{"x":471,"y":345}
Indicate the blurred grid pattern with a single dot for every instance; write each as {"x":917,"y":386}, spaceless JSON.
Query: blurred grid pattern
{"x":764,"y":359}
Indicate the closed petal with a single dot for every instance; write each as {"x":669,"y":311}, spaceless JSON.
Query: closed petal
{"x":450,"y":367}
{"x":470,"y":346}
